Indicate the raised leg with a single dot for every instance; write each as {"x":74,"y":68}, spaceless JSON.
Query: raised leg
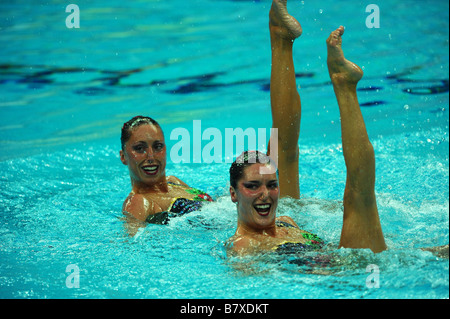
{"x":361,"y":227}
{"x":285,"y":100}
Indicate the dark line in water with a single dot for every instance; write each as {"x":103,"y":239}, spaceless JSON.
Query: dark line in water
{"x":374,"y":103}
{"x":442,"y":85}
{"x":370,"y":88}
{"x":435,"y":89}
{"x":38,"y":76}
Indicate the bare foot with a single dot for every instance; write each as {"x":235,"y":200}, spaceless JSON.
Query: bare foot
{"x":282,"y":23}
{"x":341,"y":70}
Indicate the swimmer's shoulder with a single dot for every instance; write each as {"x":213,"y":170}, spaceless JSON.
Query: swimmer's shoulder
{"x":239,"y":245}
{"x":140,"y":207}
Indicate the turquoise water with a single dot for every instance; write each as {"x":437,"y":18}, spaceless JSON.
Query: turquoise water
{"x":66,"y":93}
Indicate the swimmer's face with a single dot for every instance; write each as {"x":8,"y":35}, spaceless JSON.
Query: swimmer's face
{"x":145,"y":154}
{"x":256,"y":196}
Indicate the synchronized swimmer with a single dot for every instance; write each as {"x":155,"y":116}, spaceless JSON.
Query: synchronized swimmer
{"x":256,"y":195}
{"x":155,"y":197}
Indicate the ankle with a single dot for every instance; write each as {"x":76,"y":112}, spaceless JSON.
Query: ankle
{"x":342,"y":81}
{"x":279,"y":39}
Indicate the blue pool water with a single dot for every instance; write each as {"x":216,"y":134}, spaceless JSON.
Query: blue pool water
{"x":66,"y":92}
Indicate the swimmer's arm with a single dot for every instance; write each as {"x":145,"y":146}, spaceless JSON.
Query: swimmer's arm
{"x":132,"y":225}
{"x":439,"y":251}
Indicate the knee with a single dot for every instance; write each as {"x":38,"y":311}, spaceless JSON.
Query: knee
{"x":368,"y":152}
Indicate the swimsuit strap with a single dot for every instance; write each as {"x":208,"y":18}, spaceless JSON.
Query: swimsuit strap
{"x":281,"y":223}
